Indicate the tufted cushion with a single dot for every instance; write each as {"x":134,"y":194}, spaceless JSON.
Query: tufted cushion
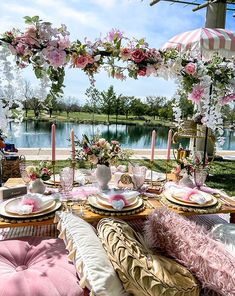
{"x":36,"y":266}
{"x":141,"y":272}
{"x":193,"y":247}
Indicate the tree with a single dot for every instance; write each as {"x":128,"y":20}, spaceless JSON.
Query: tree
{"x":107,"y":101}
{"x":93,"y":97}
{"x":154,"y":104}
{"x":28,"y":94}
{"x":125,"y":105}
{"x":36,"y":105}
{"x":137,"y":107}
{"x":68,"y":104}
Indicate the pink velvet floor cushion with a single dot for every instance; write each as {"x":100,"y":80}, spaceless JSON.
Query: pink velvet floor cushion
{"x":194,"y":248}
{"x":36,"y":266}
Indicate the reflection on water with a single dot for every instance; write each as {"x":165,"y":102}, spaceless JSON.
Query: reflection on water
{"x":34,"y":134}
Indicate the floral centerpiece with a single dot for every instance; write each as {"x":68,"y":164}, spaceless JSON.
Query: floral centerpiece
{"x":100,"y":152}
{"x":40,"y":171}
{"x":192,"y":167}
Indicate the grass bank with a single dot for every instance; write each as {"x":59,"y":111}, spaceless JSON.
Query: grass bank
{"x":84,"y":117}
{"x":221,"y":174}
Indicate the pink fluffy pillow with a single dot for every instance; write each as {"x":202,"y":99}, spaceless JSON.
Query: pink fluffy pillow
{"x":193,"y":247}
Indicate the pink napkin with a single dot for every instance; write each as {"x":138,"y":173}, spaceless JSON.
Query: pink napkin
{"x":83,"y":192}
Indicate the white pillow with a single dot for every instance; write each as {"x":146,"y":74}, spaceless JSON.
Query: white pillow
{"x":90,"y":259}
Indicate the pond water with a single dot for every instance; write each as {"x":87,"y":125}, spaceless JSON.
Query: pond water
{"x":33,"y":134}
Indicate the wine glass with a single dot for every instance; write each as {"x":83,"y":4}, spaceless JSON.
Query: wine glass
{"x":66,"y":181}
{"x":24,"y":175}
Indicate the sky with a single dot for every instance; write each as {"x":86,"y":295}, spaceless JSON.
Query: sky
{"x":95,"y":18}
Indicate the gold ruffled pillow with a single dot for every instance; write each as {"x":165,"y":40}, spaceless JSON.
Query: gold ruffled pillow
{"x":141,"y":272}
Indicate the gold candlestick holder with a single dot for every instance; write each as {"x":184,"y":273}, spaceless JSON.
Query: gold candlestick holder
{"x":151,"y":172}
{"x":73,"y":165}
{"x":53,"y":170}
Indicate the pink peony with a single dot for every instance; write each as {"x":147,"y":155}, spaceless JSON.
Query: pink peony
{"x":81,"y":61}
{"x":138,"y":55}
{"x":197,"y":94}
{"x":56,"y":57}
{"x":142,"y":72}
{"x":125,"y":53}
{"x":190,"y":68}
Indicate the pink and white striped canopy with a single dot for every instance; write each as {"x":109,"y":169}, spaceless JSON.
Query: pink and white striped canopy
{"x":204,"y":42}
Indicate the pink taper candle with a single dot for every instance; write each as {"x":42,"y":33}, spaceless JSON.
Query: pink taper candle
{"x":73,"y":144}
{"x":169,"y":145}
{"x":53,"y":142}
{"x":153,"y":144}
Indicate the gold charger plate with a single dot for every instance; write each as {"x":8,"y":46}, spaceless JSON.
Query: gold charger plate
{"x":207,"y":196}
{"x":92,"y":200}
{"x":4,"y":213}
{"x":108,"y":204}
{"x":213,"y":201}
{"x":9,"y":206}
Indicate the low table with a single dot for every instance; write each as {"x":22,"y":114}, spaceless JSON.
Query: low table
{"x":91,"y":217}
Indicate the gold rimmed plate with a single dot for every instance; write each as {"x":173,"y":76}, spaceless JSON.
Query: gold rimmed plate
{"x":210,"y":203}
{"x":4,"y":213}
{"x":92,"y":200}
{"x":11,"y":206}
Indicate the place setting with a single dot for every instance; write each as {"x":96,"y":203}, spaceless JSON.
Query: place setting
{"x":30,"y":206}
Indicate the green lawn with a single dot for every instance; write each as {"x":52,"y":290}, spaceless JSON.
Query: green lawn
{"x":221,"y":174}
{"x":98,"y":118}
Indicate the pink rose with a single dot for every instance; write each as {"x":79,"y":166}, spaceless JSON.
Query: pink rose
{"x":21,"y":49}
{"x":56,"y":57}
{"x":81,"y":61}
{"x":142,"y":72}
{"x":197,"y":94}
{"x":119,"y":76}
{"x":190,"y":68}
{"x":125,"y":54}
{"x":138,"y":55}
{"x":152,"y":53}
{"x":114,"y":142}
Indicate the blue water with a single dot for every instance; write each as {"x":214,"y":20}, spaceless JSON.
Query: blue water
{"x":33,"y":134}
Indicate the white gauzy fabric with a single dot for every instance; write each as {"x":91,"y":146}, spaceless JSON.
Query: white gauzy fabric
{"x":90,"y":259}
{"x":226,"y":234}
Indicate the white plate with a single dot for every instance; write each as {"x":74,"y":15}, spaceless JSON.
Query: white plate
{"x":93,"y":202}
{"x":32,"y":215}
{"x":176,"y":201}
{"x":12,"y":205}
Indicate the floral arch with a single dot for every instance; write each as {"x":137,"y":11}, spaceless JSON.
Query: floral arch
{"x":49,"y":51}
